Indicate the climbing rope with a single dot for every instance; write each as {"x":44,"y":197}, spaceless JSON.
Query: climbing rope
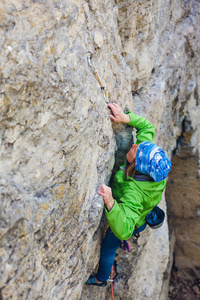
{"x":94,"y":69}
{"x":111,"y":282}
{"x":111,"y":277}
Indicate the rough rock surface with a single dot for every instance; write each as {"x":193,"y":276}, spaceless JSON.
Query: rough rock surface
{"x":58,"y":143}
{"x":183,"y":194}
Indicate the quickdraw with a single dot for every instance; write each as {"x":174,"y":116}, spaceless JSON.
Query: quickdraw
{"x":93,"y":67}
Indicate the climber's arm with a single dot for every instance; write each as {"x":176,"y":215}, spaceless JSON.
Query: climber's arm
{"x":145,"y":130}
{"x":122,"y":216}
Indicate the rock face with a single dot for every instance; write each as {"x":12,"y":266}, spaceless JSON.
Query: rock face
{"x":58,"y":143}
{"x":183,"y":194}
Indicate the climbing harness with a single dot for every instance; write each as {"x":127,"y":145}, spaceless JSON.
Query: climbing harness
{"x":94,"y":69}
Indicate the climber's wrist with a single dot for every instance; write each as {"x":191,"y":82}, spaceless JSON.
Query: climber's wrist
{"x":126,"y":119}
{"x":110,"y":205}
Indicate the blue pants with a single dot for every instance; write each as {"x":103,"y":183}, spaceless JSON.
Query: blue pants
{"x":109,"y":247}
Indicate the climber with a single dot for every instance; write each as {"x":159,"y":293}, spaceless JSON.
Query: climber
{"x":135,"y":191}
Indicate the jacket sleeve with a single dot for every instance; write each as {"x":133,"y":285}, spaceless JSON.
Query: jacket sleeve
{"x":145,"y":130}
{"x":124,"y":215}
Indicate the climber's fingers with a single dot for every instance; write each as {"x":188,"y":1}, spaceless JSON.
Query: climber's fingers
{"x":118,"y":115}
{"x":113,"y":118}
{"x":104,"y":190}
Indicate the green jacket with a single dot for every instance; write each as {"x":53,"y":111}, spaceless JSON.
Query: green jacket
{"x":133,"y":199}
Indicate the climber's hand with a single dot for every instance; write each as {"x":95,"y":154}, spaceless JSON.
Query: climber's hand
{"x":118,"y":115}
{"x":106,"y":192}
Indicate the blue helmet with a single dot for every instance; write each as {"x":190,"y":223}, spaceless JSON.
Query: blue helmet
{"x":152,"y":160}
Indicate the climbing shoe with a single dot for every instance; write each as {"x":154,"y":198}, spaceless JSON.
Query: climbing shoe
{"x":92,"y":281}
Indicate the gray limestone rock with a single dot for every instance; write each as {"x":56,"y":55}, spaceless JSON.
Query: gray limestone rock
{"x":58,"y":142}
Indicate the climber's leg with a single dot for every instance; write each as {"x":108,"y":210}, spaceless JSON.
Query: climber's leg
{"x":109,"y":246}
